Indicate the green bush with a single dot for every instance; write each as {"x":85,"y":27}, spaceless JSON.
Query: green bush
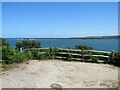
{"x":116,"y":59}
{"x":3,"y":42}
{"x":27,"y":44}
{"x":0,"y":53}
{"x":83,"y":47}
{"x":7,"y":54}
{"x":28,"y":55}
{"x":10,"y":55}
{"x":39,"y":55}
{"x":94,"y":59}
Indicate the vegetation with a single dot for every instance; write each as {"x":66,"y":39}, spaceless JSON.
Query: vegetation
{"x":41,"y":55}
{"x":27,"y":44}
{"x":37,"y":55}
{"x":3,"y":42}
{"x":115,"y":59}
{"x":11,"y":55}
{"x":83,"y":47}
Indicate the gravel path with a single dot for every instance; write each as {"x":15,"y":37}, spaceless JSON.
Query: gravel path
{"x":42,"y":74}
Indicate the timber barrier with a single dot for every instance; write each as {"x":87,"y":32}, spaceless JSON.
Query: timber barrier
{"x":76,"y":54}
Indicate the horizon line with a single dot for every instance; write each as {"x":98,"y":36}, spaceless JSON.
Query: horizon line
{"x":65,"y":37}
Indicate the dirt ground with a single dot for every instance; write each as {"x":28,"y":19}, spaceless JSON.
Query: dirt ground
{"x":42,"y":74}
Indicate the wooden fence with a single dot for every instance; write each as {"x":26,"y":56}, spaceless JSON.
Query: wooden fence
{"x":76,"y":54}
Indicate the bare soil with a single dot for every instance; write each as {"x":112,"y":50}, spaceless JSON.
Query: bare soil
{"x":44,"y":74}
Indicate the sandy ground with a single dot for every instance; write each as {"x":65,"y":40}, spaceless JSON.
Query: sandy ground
{"x":41,"y":74}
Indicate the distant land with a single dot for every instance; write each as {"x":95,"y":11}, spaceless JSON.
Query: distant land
{"x":98,"y":37}
{"x":88,"y":37}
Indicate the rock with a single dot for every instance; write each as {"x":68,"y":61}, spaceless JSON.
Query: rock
{"x":27,"y":62}
{"x":56,"y":86}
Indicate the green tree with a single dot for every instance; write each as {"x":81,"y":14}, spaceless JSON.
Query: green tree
{"x":3,"y":42}
{"x":27,"y":44}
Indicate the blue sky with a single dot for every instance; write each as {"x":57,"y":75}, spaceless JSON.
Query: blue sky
{"x":48,"y":20}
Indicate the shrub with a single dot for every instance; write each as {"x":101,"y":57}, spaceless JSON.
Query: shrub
{"x":10,"y":55}
{"x":0,"y":53}
{"x":7,"y":54}
{"x":51,"y":53}
{"x":3,"y":42}
{"x":83,"y":47}
{"x":27,"y":44}
{"x":37,"y":55}
{"x":28,"y":55}
{"x":94,"y":59}
{"x":116,"y":59}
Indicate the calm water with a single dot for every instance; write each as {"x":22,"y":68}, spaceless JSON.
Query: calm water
{"x":98,"y":44}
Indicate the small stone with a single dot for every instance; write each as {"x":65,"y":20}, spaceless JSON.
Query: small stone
{"x":27,"y":62}
{"x":3,"y":73}
{"x":56,"y":86}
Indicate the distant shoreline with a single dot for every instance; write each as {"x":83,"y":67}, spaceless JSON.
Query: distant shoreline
{"x":61,"y":38}
{"x":90,"y":37}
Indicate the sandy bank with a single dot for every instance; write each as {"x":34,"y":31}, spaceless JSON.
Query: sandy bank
{"x":41,"y":74}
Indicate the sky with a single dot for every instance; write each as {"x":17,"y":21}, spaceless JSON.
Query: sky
{"x":59,"y":19}
{"x":0,"y":19}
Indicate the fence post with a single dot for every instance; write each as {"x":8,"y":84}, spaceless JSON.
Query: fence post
{"x":21,"y":49}
{"x":52,"y":48}
{"x":112,"y":57}
{"x":69,"y":56}
{"x":112,"y":53}
{"x":83,"y":54}
{"x":52,"y":52}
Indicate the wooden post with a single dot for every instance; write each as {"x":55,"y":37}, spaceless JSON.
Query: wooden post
{"x":21,"y":49}
{"x":83,"y":54}
{"x":112,"y":57}
{"x":112,"y":53}
{"x":52,"y":52}
{"x":69,"y":56}
{"x":52,"y":48}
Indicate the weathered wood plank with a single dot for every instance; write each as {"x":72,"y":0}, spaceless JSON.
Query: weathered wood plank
{"x":101,"y":56}
{"x":98,"y":51}
{"x":69,"y":49}
{"x":76,"y":59}
{"x":69,"y":53}
{"x":39,"y":48}
{"x":59,"y":57}
{"x":41,"y":52}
